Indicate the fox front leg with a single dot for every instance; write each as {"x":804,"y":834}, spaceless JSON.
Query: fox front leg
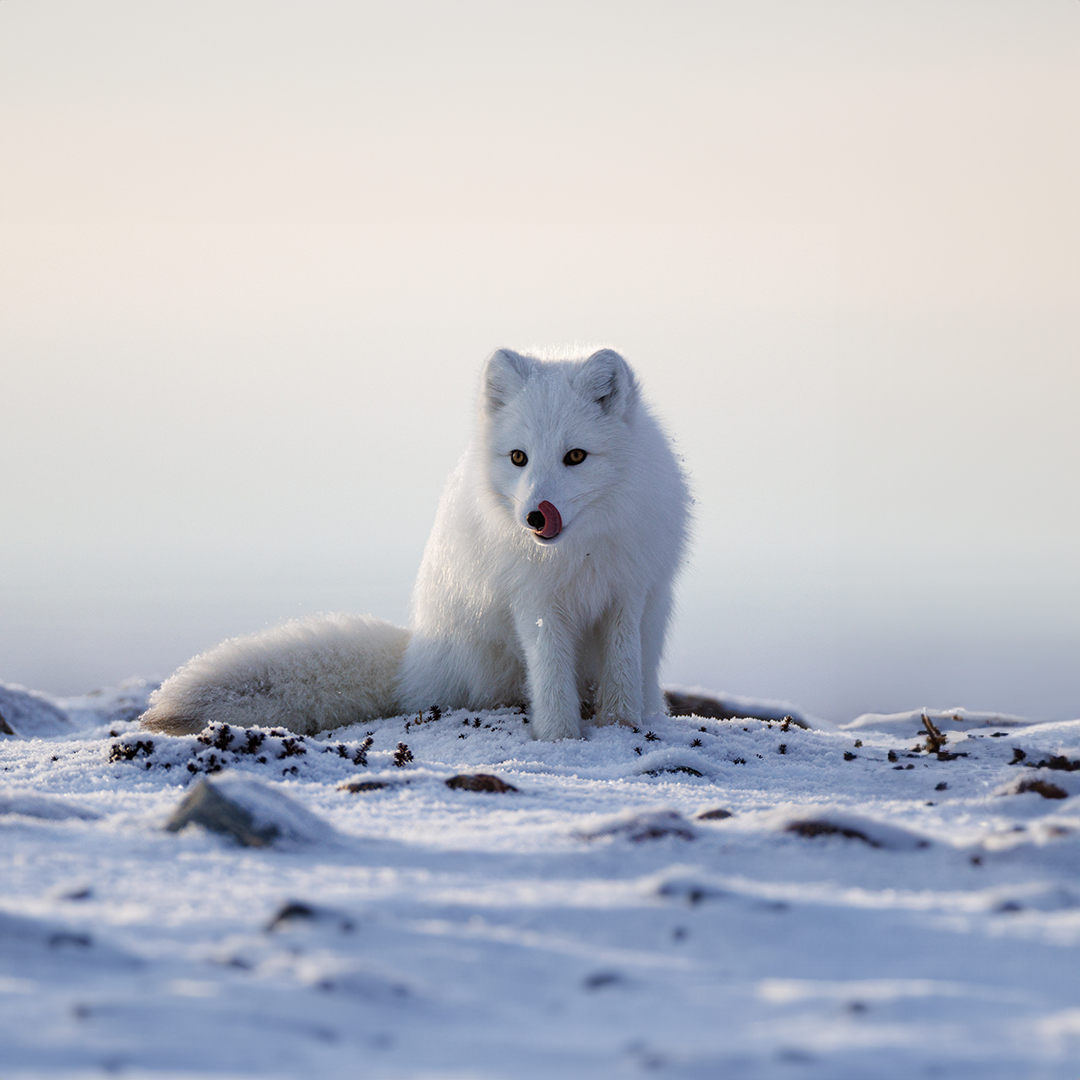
{"x":620,"y":691}
{"x":654,"y":622}
{"x":550,"y":658}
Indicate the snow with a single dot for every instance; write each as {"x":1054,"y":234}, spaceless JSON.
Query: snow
{"x":846,"y":915}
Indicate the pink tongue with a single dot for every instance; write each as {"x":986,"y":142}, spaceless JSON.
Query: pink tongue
{"x":552,"y":521}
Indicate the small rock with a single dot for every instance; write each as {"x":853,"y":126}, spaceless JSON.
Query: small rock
{"x":1040,"y":787}
{"x":479,"y":782}
{"x":689,"y":770}
{"x":252,"y":813}
{"x":656,"y":825}
{"x":692,"y":890}
{"x":296,"y":912}
{"x":811,"y":828}
{"x":365,"y":785}
{"x":1059,"y":762}
{"x":205,"y":805}
{"x":850,"y":826}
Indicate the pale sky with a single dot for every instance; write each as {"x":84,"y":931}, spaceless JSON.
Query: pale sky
{"x":253,"y":254}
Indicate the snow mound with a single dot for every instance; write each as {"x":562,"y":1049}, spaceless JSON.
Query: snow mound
{"x":948,"y":719}
{"x":31,"y":804}
{"x":30,"y":716}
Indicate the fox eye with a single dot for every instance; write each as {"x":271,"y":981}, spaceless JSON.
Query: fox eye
{"x":574,"y":457}
{"x":518,"y":457}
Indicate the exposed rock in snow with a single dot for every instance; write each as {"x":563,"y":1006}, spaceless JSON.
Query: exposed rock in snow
{"x":250,"y":812}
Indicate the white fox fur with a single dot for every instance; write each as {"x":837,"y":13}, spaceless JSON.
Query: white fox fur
{"x":547,"y":578}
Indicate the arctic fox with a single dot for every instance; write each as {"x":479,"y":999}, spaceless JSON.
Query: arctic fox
{"x":547,"y":578}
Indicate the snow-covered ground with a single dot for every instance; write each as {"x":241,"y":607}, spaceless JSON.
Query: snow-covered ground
{"x":713,"y":898}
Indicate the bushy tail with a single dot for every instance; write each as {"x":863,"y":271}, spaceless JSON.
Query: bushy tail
{"x":306,"y":675}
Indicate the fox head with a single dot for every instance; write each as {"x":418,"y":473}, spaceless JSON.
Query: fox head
{"x":555,"y":436}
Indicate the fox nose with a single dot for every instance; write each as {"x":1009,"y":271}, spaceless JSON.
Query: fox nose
{"x":545,"y":520}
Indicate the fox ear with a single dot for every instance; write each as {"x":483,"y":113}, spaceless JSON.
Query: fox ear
{"x":504,"y":376}
{"x":606,"y":378}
